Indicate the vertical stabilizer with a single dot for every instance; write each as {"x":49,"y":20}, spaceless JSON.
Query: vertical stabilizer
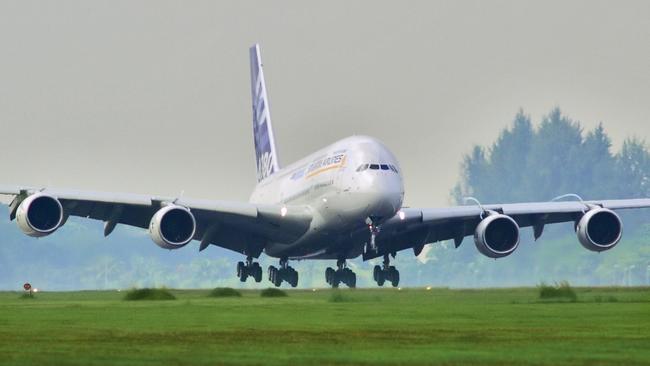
{"x":265,"y":152}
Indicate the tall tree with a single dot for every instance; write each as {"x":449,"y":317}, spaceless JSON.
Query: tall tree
{"x":554,"y":154}
{"x":508,"y":160}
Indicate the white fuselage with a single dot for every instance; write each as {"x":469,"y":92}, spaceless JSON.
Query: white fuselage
{"x":343,"y":184}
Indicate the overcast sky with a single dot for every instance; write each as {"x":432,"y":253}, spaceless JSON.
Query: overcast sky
{"x":153,"y":96}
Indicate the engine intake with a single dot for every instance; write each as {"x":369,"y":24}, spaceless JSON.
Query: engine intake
{"x":497,"y":235}
{"x":39,"y":215}
{"x":172,"y":227}
{"x":599,"y":229}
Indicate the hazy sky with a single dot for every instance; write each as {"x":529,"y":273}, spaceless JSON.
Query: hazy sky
{"x":153,"y":96}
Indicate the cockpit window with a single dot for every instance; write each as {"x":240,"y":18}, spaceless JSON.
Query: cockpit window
{"x":390,"y":167}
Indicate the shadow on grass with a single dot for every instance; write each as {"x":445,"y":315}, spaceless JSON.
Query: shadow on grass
{"x":559,"y":292}
{"x":224,"y":292}
{"x":149,"y":294}
{"x":273,"y":292}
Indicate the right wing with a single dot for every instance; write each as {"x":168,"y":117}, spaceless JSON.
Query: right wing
{"x":416,"y":227}
{"x":242,"y":227}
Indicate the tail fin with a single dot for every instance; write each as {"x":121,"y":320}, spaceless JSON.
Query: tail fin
{"x":265,"y":152}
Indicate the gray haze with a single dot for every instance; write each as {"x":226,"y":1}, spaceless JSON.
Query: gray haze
{"x":153,"y":96}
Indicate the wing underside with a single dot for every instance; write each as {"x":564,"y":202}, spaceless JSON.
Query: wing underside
{"x":416,"y":227}
{"x":241,"y":227}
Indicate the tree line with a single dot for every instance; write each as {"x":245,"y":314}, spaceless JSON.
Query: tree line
{"x":558,"y":157}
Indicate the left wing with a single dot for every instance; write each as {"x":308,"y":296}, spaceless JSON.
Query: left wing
{"x":416,"y":227}
{"x":242,"y":227}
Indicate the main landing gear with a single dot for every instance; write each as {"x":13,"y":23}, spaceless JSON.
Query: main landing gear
{"x":342,"y":275}
{"x":250,"y":268}
{"x":284,"y":273}
{"x":386,"y":272}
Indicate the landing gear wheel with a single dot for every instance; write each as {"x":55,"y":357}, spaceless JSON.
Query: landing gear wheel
{"x":376,"y":272}
{"x":381,"y":278}
{"x":240,"y":269}
{"x":274,"y":276}
{"x":341,"y":275}
{"x":293,"y":278}
{"x":277,"y":277}
{"x":386,"y":272}
{"x":394,"y":280}
{"x":256,"y":272}
{"x":329,"y":275}
{"x":352,"y":280}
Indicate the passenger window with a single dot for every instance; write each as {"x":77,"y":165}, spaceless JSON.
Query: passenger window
{"x":374,"y":166}
{"x":362,"y":167}
{"x":384,"y":167}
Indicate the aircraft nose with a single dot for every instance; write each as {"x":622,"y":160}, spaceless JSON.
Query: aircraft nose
{"x":384,"y":198}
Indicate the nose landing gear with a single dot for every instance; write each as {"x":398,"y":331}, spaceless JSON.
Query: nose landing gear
{"x":250,"y":268}
{"x":284,"y":273}
{"x":374,"y":230}
{"x":386,"y":272}
{"x":343,"y":274}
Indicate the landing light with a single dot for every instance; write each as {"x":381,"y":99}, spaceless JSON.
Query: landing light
{"x":35,"y":290}
{"x":428,"y":288}
{"x":402,"y":215}
{"x":283,"y":211}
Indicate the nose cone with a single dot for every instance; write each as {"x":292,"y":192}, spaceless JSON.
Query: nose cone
{"x":383,"y":196}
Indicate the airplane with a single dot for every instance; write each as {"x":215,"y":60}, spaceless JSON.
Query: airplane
{"x":339,"y":203}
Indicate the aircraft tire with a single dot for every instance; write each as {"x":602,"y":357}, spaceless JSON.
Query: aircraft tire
{"x":240,"y":269}
{"x":277,"y":277}
{"x":376,"y":272}
{"x":352,"y":281}
{"x":381,"y":278}
{"x":257,"y":272}
{"x":394,"y":280}
{"x":269,"y":272}
{"x":329,"y":275}
{"x":294,"y":278}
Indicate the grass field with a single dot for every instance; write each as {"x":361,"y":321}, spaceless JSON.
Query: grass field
{"x":605,"y":326}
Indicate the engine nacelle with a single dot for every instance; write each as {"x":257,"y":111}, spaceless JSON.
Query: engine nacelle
{"x":599,"y":229}
{"x":497,"y":235}
{"x":39,"y":215}
{"x":172,"y":227}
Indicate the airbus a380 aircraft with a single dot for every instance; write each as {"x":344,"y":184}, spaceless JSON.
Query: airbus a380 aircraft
{"x":338,"y":203}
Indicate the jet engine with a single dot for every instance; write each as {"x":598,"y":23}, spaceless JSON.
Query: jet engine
{"x":39,"y":215}
{"x":172,"y":227}
{"x":497,"y":235}
{"x":599,"y":229}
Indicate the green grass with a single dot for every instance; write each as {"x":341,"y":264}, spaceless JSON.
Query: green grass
{"x":370,"y":327}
